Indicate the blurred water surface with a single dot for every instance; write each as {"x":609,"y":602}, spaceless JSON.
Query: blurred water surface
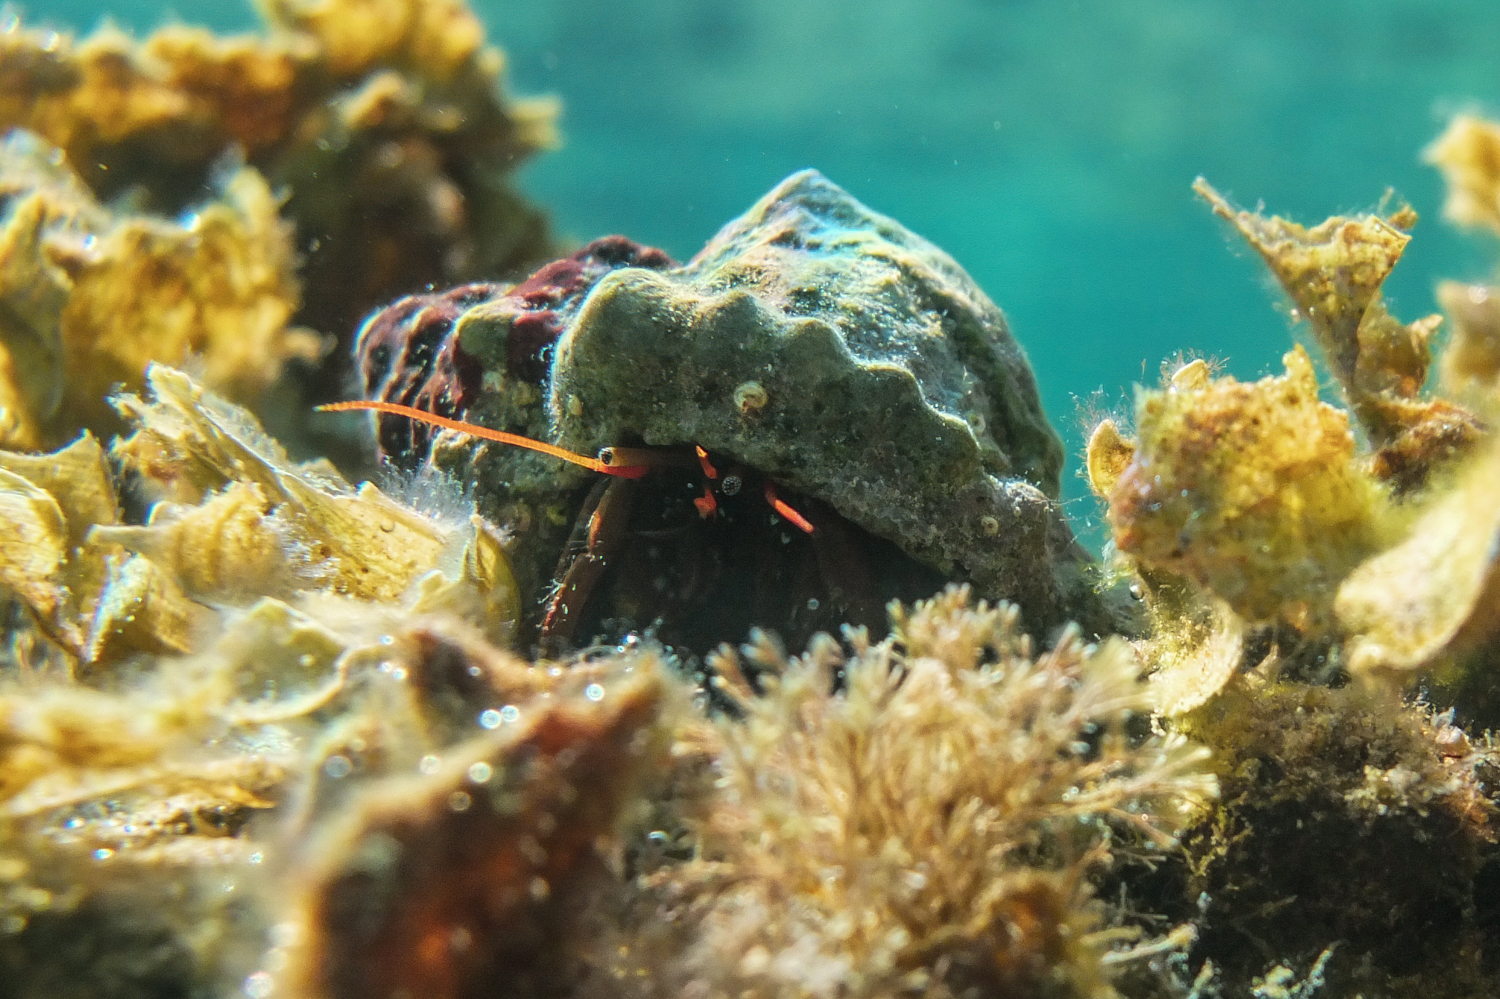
{"x":1047,"y":145}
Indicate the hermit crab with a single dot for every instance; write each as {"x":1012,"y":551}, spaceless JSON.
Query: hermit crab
{"x":820,"y":412}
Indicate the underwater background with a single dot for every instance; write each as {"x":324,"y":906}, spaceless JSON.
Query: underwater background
{"x":1048,"y":146}
{"x":500,"y":723}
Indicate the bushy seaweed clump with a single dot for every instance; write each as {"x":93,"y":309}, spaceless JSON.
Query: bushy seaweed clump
{"x":922,"y":817}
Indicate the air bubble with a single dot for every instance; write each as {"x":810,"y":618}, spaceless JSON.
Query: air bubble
{"x":510,"y":714}
{"x":285,"y":934}
{"x":258,"y":985}
{"x":459,"y":801}
{"x":429,"y":764}
{"x":489,"y":718}
{"x":812,"y":603}
{"x":337,"y":767}
{"x":103,"y":853}
{"x":480,"y":772}
{"x":594,"y":692}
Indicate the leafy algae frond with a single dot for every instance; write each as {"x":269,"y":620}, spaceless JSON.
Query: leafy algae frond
{"x":1333,"y":273}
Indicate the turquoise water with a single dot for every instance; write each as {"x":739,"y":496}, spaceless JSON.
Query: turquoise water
{"x":1048,"y":146}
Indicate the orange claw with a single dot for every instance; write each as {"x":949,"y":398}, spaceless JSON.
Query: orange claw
{"x":706,"y":503}
{"x":709,"y":471}
{"x":780,"y":506}
{"x":475,"y":430}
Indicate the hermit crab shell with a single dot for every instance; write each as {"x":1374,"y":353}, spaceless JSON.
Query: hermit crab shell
{"x":849,"y":359}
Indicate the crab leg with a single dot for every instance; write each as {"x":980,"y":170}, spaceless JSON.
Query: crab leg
{"x":605,"y":533}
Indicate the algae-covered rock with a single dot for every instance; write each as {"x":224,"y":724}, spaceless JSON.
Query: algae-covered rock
{"x":236,"y":521}
{"x":1432,"y":598}
{"x":918,"y":818}
{"x":823,"y":350}
{"x":1251,"y":490}
{"x":1468,"y":154}
{"x":90,"y":295}
{"x":355,"y":149}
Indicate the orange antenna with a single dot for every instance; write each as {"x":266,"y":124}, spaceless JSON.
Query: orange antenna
{"x":475,"y":430}
{"x":782,"y":507}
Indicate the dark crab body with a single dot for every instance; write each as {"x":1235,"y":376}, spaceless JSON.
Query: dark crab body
{"x":816,"y":346}
{"x":645,"y":552}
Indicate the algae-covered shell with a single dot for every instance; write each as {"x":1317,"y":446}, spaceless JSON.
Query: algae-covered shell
{"x":886,"y":384}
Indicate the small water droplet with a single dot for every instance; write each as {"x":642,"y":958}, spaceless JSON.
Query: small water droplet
{"x":594,"y":692}
{"x":429,"y":764}
{"x":489,"y":718}
{"x":480,"y":772}
{"x":337,"y":767}
{"x":459,"y":801}
{"x":510,"y":714}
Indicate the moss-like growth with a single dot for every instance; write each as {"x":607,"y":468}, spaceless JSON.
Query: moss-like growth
{"x":1349,"y":821}
{"x":922,"y":817}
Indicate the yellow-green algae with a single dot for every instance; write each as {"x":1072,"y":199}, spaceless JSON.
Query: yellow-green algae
{"x":1300,"y":575}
